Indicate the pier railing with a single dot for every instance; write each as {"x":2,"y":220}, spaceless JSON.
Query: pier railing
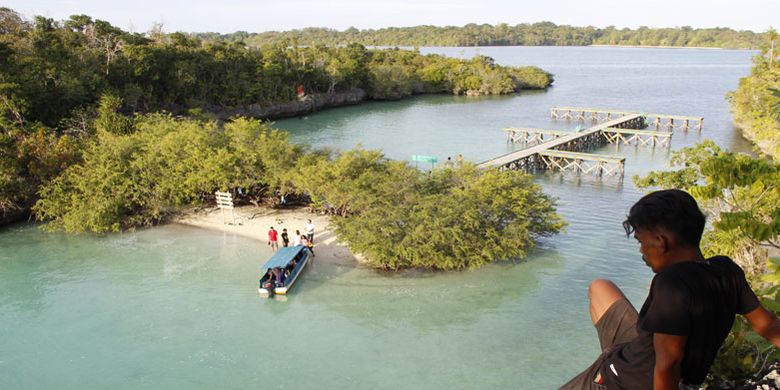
{"x":659,"y":120}
{"x":563,"y":150}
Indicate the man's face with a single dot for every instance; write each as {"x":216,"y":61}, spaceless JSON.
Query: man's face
{"x":651,"y":247}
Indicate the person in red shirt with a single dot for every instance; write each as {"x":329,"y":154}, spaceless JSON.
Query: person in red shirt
{"x":273,"y":240}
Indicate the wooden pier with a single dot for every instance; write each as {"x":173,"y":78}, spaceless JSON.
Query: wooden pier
{"x":659,"y":120}
{"x":599,"y":164}
{"x":530,"y":135}
{"x":613,"y":135}
{"x":562,"y":150}
{"x":637,"y":137}
{"x":548,"y":155}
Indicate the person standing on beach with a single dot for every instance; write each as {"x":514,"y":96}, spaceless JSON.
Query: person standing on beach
{"x":459,"y":160}
{"x":285,"y":238}
{"x":297,"y":238}
{"x":310,"y":231}
{"x":273,"y":239}
{"x":687,"y":314}
{"x":308,"y":244}
{"x":449,"y":163}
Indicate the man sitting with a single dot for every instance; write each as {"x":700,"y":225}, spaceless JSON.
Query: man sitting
{"x":688,"y":312}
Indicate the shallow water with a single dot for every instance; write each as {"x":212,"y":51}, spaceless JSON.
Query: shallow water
{"x":177,"y":307}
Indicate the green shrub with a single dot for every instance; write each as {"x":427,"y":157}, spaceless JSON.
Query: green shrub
{"x":140,"y":178}
{"x":399,"y":217}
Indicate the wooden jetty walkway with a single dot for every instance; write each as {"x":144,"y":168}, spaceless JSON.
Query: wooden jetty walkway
{"x":531,"y":134}
{"x":638,"y":137}
{"x":594,"y":114}
{"x":562,"y":150}
{"x":549,"y":154}
{"x":600,"y":164}
{"x":613,"y":135}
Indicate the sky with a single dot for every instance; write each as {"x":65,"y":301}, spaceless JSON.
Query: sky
{"x":227,"y":16}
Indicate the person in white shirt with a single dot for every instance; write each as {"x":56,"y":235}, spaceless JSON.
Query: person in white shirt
{"x":310,"y":231}
{"x":297,"y":238}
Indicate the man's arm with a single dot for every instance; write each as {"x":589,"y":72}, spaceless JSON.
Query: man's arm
{"x":766,"y":324}
{"x":669,"y":352}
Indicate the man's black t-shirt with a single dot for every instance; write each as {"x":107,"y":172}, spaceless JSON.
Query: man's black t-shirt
{"x":698,"y":299}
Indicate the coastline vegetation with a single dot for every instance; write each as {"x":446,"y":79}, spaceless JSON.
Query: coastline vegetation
{"x":740,"y":195}
{"x":394,"y":214}
{"x":536,"y":34}
{"x":755,"y":104}
{"x":451,"y":218}
{"x":67,"y":87}
{"x":743,"y":194}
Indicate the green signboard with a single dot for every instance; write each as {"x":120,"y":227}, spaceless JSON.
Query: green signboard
{"x":427,"y":159}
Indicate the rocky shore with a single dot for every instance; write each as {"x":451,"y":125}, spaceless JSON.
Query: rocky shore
{"x":306,"y":105}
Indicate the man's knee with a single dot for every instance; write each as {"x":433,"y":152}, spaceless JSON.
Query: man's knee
{"x":602,"y":294}
{"x":602,"y":287}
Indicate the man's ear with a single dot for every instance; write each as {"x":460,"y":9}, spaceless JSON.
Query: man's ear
{"x":663,"y":241}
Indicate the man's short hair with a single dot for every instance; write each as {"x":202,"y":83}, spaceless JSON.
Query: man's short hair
{"x":673,"y":210}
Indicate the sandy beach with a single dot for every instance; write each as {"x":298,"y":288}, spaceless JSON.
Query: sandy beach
{"x":254,"y":222}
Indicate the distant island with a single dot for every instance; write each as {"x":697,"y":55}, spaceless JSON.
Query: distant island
{"x":536,"y":34}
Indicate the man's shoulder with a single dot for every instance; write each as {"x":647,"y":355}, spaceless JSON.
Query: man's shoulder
{"x":723,"y":261}
{"x":693,"y":275}
{"x":688,"y":267}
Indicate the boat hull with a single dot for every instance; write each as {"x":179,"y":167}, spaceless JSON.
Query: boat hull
{"x":290,"y":260}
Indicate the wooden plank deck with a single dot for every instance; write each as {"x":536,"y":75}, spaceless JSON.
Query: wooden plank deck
{"x":508,"y":158}
{"x":582,"y":156}
{"x":579,"y":163}
{"x":620,"y":112}
{"x":638,"y":132}
{"x":638,"y":137}
{"x":537,"y":130}
{"x":531,"y":134}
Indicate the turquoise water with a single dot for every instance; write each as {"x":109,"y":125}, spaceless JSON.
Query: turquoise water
{"x":177,"y":307}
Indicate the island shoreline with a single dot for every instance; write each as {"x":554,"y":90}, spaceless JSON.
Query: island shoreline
{"x":253,"y":222}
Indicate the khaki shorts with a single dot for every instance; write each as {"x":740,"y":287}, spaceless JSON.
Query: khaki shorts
{"x":616,"y":326}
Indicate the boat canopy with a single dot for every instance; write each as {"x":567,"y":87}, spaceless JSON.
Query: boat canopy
{"x":282,"y":257}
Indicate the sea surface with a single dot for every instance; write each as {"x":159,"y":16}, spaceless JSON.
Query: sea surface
{"x":177,"y":308}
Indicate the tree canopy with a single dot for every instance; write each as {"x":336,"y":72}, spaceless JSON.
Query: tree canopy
{"x":524,"y":34}
{"x":756,"y":102}
{"x":392,"y":213}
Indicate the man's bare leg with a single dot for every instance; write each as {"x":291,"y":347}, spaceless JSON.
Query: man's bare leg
{"x":602,"y":294}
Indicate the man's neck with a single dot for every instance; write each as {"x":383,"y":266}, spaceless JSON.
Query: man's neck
{"x":681,"y":255}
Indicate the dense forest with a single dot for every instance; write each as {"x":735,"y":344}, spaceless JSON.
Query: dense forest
{"x":756,"y":102}
{"x":536,"y":34}
{"x":103,"y":130}
{"x":75,"y":61}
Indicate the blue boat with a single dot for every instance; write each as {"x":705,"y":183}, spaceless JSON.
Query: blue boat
{"x":282,"y":269}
